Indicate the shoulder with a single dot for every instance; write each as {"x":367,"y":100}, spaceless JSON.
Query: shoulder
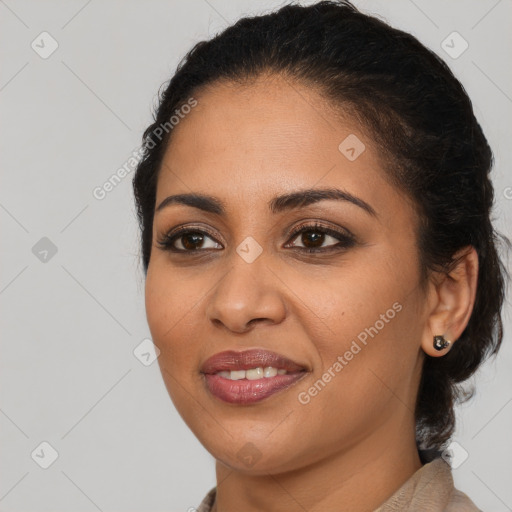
{"x":430,"y":489}
{"x":457,"y":501}
{"x":460,"y":502}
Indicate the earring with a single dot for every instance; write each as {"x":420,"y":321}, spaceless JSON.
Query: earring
{"x":440,"y":342}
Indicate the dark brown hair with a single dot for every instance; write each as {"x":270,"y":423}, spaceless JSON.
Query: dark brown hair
{"x":422,"y":119}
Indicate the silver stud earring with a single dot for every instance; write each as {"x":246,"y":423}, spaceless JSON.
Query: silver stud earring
{"x":440,"y":342}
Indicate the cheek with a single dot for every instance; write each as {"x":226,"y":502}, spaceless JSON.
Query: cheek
{"x":370,"y":350}
{"x":169,"y":297}
{"x":170,"y":305}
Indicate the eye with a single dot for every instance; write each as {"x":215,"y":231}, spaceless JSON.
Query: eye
{"x":315,"y":235}
{"x":189,"y":239}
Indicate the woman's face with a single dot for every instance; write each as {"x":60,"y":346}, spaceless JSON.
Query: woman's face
{"x":350,"y":315}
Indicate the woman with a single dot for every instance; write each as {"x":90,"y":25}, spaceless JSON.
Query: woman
{"x":321,"y":269}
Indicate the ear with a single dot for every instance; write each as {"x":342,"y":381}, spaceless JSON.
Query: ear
{"x":452,"y":297}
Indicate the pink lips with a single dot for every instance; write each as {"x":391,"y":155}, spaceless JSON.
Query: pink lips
{"x":245,"y":391}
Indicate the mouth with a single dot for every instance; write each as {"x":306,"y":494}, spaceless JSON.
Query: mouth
{"x":250,"y":376}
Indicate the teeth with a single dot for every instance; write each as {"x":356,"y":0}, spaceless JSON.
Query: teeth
{"x":252,"y":374}
{"x":269,"y":371}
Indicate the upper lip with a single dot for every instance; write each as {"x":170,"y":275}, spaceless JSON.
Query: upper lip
{"x":254,"y":358}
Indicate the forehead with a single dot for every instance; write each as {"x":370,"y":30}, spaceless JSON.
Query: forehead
{"x":267,"y":137}
{"x":270,"y":114}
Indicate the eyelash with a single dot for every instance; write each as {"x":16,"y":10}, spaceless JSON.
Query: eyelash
{"x":346,"y":240}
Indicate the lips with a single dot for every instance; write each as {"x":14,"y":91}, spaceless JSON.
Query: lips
{"x":233,"y":360}
{"x":250,"y":390}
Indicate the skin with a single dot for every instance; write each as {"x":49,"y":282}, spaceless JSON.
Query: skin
{"x":353,"y":445}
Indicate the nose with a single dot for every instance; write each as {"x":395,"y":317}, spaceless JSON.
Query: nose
{"x":248,"y":294}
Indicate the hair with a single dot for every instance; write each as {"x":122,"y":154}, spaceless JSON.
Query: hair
{"x":423,"y":122}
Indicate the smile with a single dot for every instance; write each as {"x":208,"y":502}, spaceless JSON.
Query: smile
{"x":250,"y":376}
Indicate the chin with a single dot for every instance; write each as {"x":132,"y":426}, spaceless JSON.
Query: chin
{"x":254,"y":455}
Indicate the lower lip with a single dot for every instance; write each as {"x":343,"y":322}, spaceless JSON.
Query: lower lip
{"x":245,"y":391}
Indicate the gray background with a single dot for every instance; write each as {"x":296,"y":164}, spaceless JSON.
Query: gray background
{"x":71,"y":322}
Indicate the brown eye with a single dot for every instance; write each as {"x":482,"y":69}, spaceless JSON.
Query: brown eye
{"x":313,"y":238}
{"x":187,"y":240}
{"x":191,"y":241}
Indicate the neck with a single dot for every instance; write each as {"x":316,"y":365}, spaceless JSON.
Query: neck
{"x":357,"y":479}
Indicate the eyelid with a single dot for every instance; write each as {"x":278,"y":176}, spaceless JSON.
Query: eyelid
{"x":173,"y":234}
{"x":321,"y":226}
{"x":186,"y":227}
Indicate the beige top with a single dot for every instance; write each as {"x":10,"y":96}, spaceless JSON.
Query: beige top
{"x":430,"y":489}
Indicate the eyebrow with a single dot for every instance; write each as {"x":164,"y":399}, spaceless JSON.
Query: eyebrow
{"x":291,"y":201}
